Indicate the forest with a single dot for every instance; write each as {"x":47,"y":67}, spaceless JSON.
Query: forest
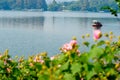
{"x":82,"y":5}
{"x":23,"y":4}
{"x":79,"y":5}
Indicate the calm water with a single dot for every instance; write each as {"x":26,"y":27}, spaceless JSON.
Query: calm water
{"x":28,"y":33}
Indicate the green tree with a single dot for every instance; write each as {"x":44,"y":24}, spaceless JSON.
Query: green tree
{"x":84,"y":4}
{"x":23,"y":4}
{"x":41,"y":4}
{"x":74,"y":6}
{"x":54,"y":6}
{"x":19,"y":4}
{"x":114,"y":9}
{"x":4,"y":4}
{"x":11,"y":4}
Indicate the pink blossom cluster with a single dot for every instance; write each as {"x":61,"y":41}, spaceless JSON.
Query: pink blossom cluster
{"x":69,"y":46}
{"x":97,"y":34}
{"x":38,"y":59}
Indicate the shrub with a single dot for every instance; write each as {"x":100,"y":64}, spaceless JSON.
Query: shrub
{"x":101,"y":62}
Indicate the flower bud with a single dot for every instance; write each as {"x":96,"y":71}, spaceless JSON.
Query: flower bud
{"x":83,"y":36}
{"x":107,"y":42}
{"x":87,"y":35}
{"x":106,"y":35}
{"x":111,"y":33}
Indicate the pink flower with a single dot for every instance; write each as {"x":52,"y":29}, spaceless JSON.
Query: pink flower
{"x":73,"y":42}
{"x":41,"y":61}
{"x":66,"y":47}
{"x":38,"y":59}
{"x":97,"y":34}
{"x":69,"y":46}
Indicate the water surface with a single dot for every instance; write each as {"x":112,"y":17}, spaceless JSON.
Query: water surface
{"x":28,"y":33}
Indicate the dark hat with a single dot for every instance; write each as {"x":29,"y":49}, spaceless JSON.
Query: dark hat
{"x":96,"y":24}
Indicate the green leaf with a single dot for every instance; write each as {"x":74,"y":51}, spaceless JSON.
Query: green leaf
{"x":84,"y":57}
{"x":93,"y":46}
{"x":64,"y":66}
{"x":62,"y":58}
{"x":69,"y":76}
{"x":107,"y":49}
{"x":38,"y":66}
{"x":86,"y":43}
{"x":90,"y":74}
{"x":2,"y":71}
{"x":105,"y":8}
{"x":109,"y":58}
{"x":33,"y":73}
{"x":98,"y":67}
{"x":75,"y":67}
{"x":85,"y":66}
{"x":47,"y":62}
{"x":113,"y":11}
{"x":100,"y":43}
{"x":1,"y":64}
{"x":96,"y":52}
{"x":43,"y":77}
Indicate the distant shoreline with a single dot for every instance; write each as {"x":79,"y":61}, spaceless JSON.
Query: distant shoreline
{"x":29,"y":13}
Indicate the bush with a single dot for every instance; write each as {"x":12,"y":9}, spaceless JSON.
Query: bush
{"x":101,"y":62}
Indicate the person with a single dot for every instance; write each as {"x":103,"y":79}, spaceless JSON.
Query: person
{"x":97,"y":34}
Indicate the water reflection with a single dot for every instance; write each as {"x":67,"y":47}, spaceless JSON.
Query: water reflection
{"x":54,"y":23}
{"x":50,"y":31}
{"x":29,"y":22}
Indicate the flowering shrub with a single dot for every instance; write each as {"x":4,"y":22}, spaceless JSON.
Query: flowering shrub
{"x":101,"y":62}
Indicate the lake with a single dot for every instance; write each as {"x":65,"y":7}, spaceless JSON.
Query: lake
{"x":27,"y":33}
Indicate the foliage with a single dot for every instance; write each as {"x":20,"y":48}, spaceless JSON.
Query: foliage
{"x":82,"y":5}
{"x":23,"y":4}
{"x":101,"y":62}
{"x":78,"y":5}
{"x":113,"y":10}
{"x":54,"y":6}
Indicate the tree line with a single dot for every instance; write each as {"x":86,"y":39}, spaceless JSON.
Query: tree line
{"x":82,"y":5}
{"x":23,"y":4}
{"x":79,"y":5}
